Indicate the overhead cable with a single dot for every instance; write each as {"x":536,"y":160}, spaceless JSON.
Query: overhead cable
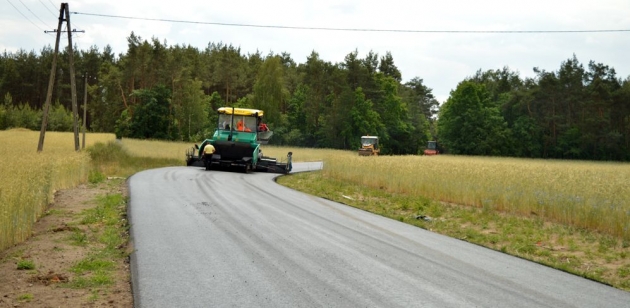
{"x":47,"y":8}
{"x":350,"y":29}
{"x":33,"y":13}
{"x":24,"y":16}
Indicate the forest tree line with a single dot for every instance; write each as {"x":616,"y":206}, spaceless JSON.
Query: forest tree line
{"x":572,"y":113}
{"x":167,"y":92}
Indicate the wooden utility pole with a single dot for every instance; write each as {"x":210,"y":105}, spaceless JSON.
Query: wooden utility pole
{"x":73,"y":82}
{"x":42,"y":132}
{"x":64,"y":15}
{"x":84,"y":110}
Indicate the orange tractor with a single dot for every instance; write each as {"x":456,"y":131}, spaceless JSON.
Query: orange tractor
{"x":432,"y":148}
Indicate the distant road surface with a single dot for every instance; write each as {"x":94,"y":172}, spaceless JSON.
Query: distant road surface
{"x":220,"y":239}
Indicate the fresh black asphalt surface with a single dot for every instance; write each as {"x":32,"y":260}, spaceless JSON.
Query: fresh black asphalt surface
{"x":222,"y":239}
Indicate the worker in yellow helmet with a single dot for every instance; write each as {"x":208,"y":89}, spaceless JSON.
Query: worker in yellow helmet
{"x":208,"y":149}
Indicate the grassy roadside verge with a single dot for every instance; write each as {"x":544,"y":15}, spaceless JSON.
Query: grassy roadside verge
{"x":78,"y":254}
{"x":585,"y":253}
{"x":103,"y":231}
{"x":107,"y":222}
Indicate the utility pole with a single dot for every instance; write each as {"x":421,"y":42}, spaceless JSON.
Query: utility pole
{"x":73,"y":83}
{"x":64,"y":15}
{"x":84,"y":109}
{"x":42,"y":132}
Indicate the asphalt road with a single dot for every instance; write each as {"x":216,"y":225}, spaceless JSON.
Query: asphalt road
{"x":220,"y":239}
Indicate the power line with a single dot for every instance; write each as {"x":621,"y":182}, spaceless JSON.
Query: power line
{"x":351,"y":29}
{"x":53,"y":5}
{"x":51,"y":12}
{"x":25,"y":16}
{"x":33,"y":13}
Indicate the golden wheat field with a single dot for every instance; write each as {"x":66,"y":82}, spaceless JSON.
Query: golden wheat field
{"x":590,"y":195}
{"x":29,"y":179}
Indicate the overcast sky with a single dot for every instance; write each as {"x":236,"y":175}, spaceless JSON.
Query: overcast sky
{"x":440,"y":59}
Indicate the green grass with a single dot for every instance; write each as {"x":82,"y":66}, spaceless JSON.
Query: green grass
{"x":94,"y":279}
{"x":79,"y":238}
{"x":95,"y":177}
{"x":25,"y":265}
{"x":92,"y":264}
{"x":108,"y":227}
{"x":106,"y":211}
{"x":25,"y":298}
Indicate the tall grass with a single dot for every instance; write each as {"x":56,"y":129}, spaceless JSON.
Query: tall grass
{"x":591,"y":195}
{"x":113,"y":159}
{"x":156,"y":148}
{"x":29,"y":179}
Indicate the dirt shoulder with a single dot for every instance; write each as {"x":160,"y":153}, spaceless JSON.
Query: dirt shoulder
{"x":50,"y":259}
